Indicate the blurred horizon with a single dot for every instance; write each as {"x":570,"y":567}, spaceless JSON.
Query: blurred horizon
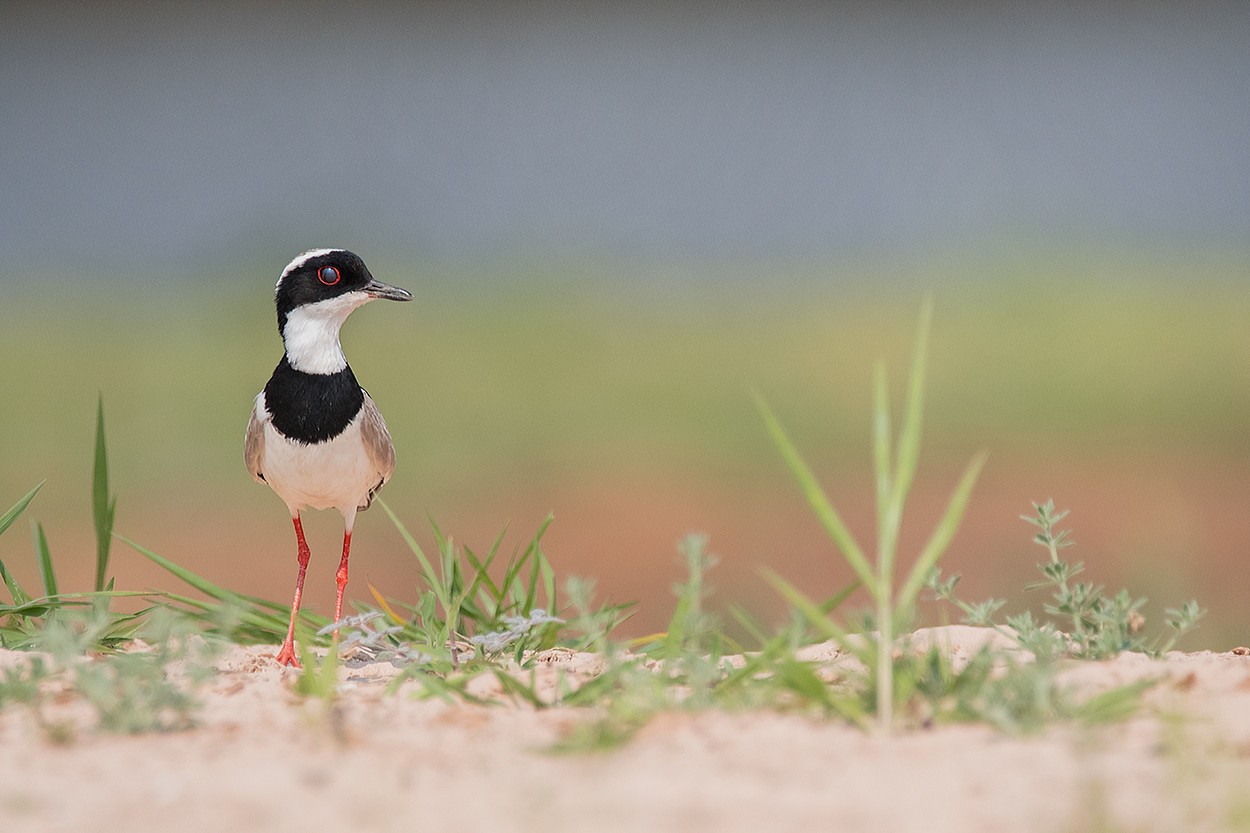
{"x":627,"y":413}
{"x":156,"y":138}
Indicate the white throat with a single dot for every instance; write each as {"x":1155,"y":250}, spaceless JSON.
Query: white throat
{"x":311,"y":333}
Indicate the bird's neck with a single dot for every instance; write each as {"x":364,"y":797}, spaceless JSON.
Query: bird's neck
{"x":311,"y":334}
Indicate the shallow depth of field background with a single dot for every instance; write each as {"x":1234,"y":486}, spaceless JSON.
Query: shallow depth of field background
{"x":617,"y":221}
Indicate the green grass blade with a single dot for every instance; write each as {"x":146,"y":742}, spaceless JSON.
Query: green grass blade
{"x":317,"y":679}
{"x":835,"y":601}
{"x":546,"y":573}
{"x":44,"y":556}
{"x":269,"y":625}
{"x":541,"y":576}
{"x":429,"y":575}
{"x":802,"y":679}
{"x":812,"y":612}
{"x":1114,"y":705}
{"x":20,"y":596}
{"x":7,"y":519}
{"x":942,"y":535}
{"x":544,"y":577}
{"x":459,"y":600}
{"x":827,"y":515}
{"x":447,"y":689}
{"x":750,"y":624}
{"x":208,"y":588}
{"x":881,"y":442}
{"x":908,"y":454}
{"x":496,"y":593}
{"x":489,"y":595}
{"x":450,"y":577}
{"x":87,"y":596}
{"x":909,"y":435}
{"x":103,"y":506}
{"x":495,"y":546}
{"x":516,"y":689}
{"x":34,"y":608}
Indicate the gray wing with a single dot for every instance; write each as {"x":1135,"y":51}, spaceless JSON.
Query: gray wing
{"x":254,"y":443}
{"x":378,"y":446}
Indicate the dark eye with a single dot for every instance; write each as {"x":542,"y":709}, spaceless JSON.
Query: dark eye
{"x":328,"y":275}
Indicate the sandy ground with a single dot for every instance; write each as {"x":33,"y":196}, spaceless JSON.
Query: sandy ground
{"x":260,"y":758}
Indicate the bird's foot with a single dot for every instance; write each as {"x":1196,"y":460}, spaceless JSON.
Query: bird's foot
{"x":286,"y":656}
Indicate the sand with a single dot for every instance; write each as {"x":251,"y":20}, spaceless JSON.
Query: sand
{"x":262,"y":758}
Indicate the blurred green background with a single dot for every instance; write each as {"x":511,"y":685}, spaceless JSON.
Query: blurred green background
{"x":1097,"y":381}
{"x":617,"y":222}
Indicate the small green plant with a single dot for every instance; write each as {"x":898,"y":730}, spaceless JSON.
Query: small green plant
{"x":27,"y":614}
{"x":318,"y":678}
{"x":223,"y":612}
{"x":494,"y":607}
{"x":1084,"y":621}
{"x":137,"y":691}
{"x":589,"y":625}
{"x":693,"y":665}
{"x":130,"y":692}
{"x":1002,"y":689}
{"x":681,"y":668}
{"x":471,"y":608}
{"x":506,"y":653}
{"x":693,"y":647}
{"x":895,"y":467}
{"x":25,"y":617}
{"x":20,"y":681}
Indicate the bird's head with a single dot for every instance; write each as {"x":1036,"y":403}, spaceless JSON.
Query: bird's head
{"x":327,"y":281}
{"x":314,"y":296}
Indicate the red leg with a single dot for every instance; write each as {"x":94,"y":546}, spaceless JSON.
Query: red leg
{"x":341,"y":576}
{"x":287,"y":656}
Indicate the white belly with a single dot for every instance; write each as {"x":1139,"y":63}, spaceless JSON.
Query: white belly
{"x":336,"y":473}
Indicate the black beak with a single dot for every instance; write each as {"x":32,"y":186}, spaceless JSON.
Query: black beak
{"x":376,"y":289}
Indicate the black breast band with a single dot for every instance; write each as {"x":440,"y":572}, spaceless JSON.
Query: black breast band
{"x":312,"y":407}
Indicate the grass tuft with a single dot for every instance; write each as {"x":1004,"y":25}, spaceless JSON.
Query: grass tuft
{"x":1084,"y":621}
{"x":895,"y":467}
{"x":481,"y":604}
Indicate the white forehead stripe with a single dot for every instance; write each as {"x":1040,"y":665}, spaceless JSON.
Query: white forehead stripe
{"x":302,"y":259}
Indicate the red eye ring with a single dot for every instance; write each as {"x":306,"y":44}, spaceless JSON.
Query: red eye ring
{"x":328,"y":275}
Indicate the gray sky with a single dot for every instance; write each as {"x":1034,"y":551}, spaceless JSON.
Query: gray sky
{"x":151,"y":134}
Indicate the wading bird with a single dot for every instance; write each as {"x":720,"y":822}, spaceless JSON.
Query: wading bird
{"x":315,"y":437}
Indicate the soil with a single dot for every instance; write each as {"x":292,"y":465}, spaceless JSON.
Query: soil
{"x":260,"y":757}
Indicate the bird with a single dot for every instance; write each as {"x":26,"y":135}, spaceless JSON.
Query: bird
{"x":315,"y":437}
